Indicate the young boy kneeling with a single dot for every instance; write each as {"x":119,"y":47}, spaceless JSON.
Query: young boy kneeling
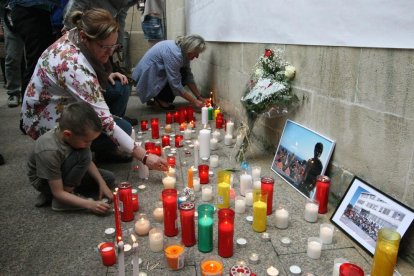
{"x":60,"y":166}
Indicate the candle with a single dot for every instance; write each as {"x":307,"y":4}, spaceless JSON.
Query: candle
{"x":175,"y":255}
{"x":169,"y":199}
{"x":204,"y":115}
{"x":204,"y":140}
{"x":171,"y":160}
{"x":239,"y":140}
{"x":205,"y":227}
{"x":144,"y":125}
{"x":240,"y":205}
{"x":281,"y":218}
{"x":183,"y":126}
{"x":133,"y":134}
{"x":322,"y":192}
{"x":213,"y":143}
{"x":203,"y":173}
{"x":118,"y":230}
{"x":135,"y":201}
{"x":107,"y":251}
{"x":256,"y":172}
{"x":142,"y":225}
{"x":158,"y":212}
{"x":176,"y":116}
{"x":206,"y":193}
{"x":196,"y":153}
{"x":257,"y":185}
{"x":216,"y":112}
{"x":135,"y":260}
{"x":170,"y":172}
{"x":169,"y":182}
{"x":155,"y":133}
{"x":169,"y":118}
{"x":245,"y":183}
{"x":196,"y":184}
{"x":314,"y":248}
{"x":156,"y":239}
{"x":326,"y":232}
{"x":211,"y":266}
{"x":272,"y":271}
{"x":386,"y":250}
{"x":228,"y":140}
{"x":229,"y":128}
{"x":259,"y":213}
{"x":110,"y":233}
{"x":165,"y":139}
{"x":254,"y":258}
{"x":187,"y":134}
{"x":187,"y":223}
{"x":125,"y":197}
{"x":121,"y":259}
{"x":267,"y":187}
{"x":190,"y":177}
{"x":179,"y":141}
{"x":168,"y":128}
{"x":223,"y":195}
{"x":214,"y":161}
{"x":354,"y":270}
{"x":249,"y":197}
{"x":216,"y":134}
{"x":337,"y":264}
{"x":225,"y":232}
{"x":311,"y":211}
{"x":210,"y":112}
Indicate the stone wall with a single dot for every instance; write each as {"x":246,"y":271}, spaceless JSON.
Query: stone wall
{"x":362,"y":98}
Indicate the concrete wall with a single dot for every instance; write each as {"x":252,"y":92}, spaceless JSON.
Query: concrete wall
{"x":362,"y":98}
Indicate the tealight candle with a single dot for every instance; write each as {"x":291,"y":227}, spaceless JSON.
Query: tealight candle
{"x":326,"y":232}
{"x":254,"y":258}
{"x":206,"y":193}
{"x":214,"y":161}
{"x":241,"y":242}
{"x":175,"y":255}
{"x":249,"y":197}
{"x":196,"y":184}
{"x":272,"y":271}
{"x":213,"y":143}
{"x":314,"y":248}
{"x":168,"y":128}
{"x":311,"y":211}
{"x":127,"y":249}
{"x":169,"y":182}
{"x":110,"y":233}
{"x":142,"y":225}
{"x":281,"y":218}
{"x":228,"y":139}
{"x":156,"y":239}
{"x":240,"y":205}
{"x":158,"y":212}
{"x":211,"y":266}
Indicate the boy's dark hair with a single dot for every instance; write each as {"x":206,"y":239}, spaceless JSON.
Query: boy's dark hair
{"x":79,"y":117}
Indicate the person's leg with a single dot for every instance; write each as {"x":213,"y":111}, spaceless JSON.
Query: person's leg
{"x":90,"y":188}
{"x":116,"y":97}
{"x":165,"y":96}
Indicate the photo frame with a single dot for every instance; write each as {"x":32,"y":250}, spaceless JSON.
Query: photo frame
{"x":364,"y":210}
{"x":302,"y":155}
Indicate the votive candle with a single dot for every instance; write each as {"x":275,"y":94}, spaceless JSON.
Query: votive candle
{"x":314,"y":248}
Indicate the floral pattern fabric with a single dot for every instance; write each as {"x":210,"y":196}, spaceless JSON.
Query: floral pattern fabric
{"x":62,"y":76}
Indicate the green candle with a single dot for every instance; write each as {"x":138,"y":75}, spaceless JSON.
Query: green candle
{"x":205,"y":227}
{"x":210,"y":113}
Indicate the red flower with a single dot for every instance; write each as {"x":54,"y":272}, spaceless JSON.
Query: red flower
{"x":267,"y":53}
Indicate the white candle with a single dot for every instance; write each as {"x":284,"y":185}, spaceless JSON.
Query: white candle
{"x":229,"y":128}
{"x":281,"y":218}
{"x":121,"y":259}
{"x":158,"y":212}
{"x":272,"y":271}
{"x":239,"y":140}
{"x":143,"y":170}
{"x":326,"y":232}
{"x":196,"y":184}
{"x":228,"y":139}
{"x":257,"y":185}
{"x":249,"y":197}
{"x":254,"y":258}
{"x":142,"y":225}
{"x":245,"y":183}
{"x":337,"y":264}
{"x":216,"y":134}
{"x":187,"y":134}
{"x":133,"y":134}
{"x":214,"y":161}
{"x":169,"y":182}
{"x":156,"y":240}
{"x":256,"y":172}
{"x":240,"y":205}
{"x":204,"y":115}
{"x":204,"y":140}
{"x":311,"y":211}
{"x":206,"y":193}
{"x":196,"y":153}
{"x":135,"y":260}
{"x":213,"y":143}
{"x":314,"y":248}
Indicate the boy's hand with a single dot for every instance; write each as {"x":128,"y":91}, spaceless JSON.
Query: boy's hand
{"x":154,"y":162}
{"x":99,"y":207}
{"x":104,"y":191}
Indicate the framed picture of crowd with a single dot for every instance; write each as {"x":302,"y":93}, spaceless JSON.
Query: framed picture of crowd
{"x":302,"y":155}
{"x":364,"y":210}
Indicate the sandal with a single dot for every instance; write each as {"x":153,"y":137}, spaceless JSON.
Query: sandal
{"x":161,"y":104}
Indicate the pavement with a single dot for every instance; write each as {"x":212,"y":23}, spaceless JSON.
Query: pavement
{"x":39,"y":241}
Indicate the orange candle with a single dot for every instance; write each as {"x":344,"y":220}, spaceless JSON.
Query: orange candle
{"x":174,"y":255}
{"x":190,"y":177}
{"x":211,"y":267}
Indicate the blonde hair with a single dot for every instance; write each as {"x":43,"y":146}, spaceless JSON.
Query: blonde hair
{"x":97,"y":24}
{"x":191,"y":43}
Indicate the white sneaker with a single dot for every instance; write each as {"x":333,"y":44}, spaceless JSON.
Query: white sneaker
{"x":13,"y":101}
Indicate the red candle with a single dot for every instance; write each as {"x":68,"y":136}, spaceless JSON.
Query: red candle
{"x":349,"y":269}
{"x":181,"y":117}
{"x":169,"y":202}
{"x":165,"y":139}
{"x":155,"y":131}
{"x":219,"y":121}
{"x":157,"y":148}
{"x":176,"y":117}
{"x":267,"y":186}
{"x":183,"y":126}
{"x":190,"y":114}
{"x":149,"y":146}
{"x":125,"y":196}
{"x":135,"y":202}
{"x":322,"y":192}
{"x":203,"y":174}
{"x":225,"y":232}
{"x":144,"y":125}
{"x":187,"y":223}
{"x":118,"y":230}
{"x":179,"y":141}
{"x":107,"y":250}
{"x":168,"y":118}
{"x":171,"y":160}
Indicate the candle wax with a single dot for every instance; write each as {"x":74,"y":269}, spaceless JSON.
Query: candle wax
{"x":225,"y":239}
{"x":174,"y":253}
{"x":205,"y":230}
{"x":259,"y":216}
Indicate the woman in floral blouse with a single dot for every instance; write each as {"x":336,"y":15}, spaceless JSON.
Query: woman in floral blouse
{"x":74,"y":68}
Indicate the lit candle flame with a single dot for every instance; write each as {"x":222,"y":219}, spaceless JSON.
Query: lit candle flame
{"x":133,"y":238}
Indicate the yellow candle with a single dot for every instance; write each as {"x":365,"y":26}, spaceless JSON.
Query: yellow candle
{"x":223,"y":195}
{"x":216,"y":111}
{"x":211,"y":267}
{"x":259,"y":216}
{"x":386,"y":250}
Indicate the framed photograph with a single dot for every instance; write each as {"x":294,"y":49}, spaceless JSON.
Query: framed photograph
{"x":364,"y":210}
{"x":302,"y":155}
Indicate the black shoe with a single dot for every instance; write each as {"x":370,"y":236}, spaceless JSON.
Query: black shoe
{"x":164,"y":105}
{"x":114,"y":156}
{"x":151,"y":103}
{"x":43,"y":199}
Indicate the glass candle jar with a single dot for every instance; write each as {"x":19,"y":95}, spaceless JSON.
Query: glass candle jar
{"x":225,"y":232}
{"x":171,"y":160}
{"x":322,"y":192}
{"x":107,"y":251}
{"x":156,"y":239}
{"x":203,"y":174}
{"x":165,"y":140}
{"x":155,"y":130}
{"x":349,"y":269}
{"x":135,"y":200}
{"x":281,"y":217}
{"x":311,"y":210}
{"x":267,"y":186}
{"x":144,"y":125}
{"x":179,"y":139}
{"x":386,"y":250}
{"x":169,"y":200}
{"x":142,"y":225}
{"x":211,"y":266}
{"x":187,"y":223}
{"x":205,"y":227}
{"x":259,"y":211}
{"x":125,"y":198}
{"x":223,"y":189}
{"x":174,"y":252}
{"x":168,"y":118}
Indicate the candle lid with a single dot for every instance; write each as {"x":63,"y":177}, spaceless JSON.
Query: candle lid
{"x":249,"y":219}
{"x":110,"y":232}
{"x":186,"y":205}
{"x":323,"y":178}
{"x":124,"y":185}
{"x":241,"y":242}
{"x":295,"y":270}
{"x":142,"y":187}
{"x":241,"y":270}
{"x":285,"y":241}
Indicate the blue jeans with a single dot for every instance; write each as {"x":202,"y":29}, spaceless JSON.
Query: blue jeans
{"x":152,"y":28}
{"x":116,"y":97}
